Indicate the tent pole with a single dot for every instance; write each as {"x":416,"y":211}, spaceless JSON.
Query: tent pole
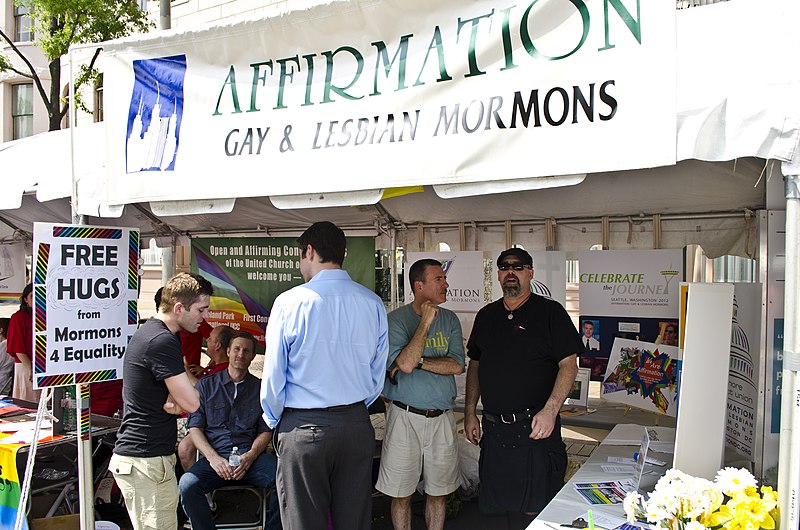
{"x":394,"y":288}
{"x":789,"y":456}
{"x":82,"y":431}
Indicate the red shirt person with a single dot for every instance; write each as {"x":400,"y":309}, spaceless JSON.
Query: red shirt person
{"x":20,"y":347}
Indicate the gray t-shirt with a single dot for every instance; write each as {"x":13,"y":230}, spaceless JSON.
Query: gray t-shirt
{"x":420,"y":388}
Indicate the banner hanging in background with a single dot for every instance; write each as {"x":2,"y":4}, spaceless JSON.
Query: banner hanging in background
{"x":13,"y":273}
{"x":464,"y":271}
{"x":744,"y":372}
{"x":549,"y":275}
{"x":248,"y":273}
{"x":630,"y":283}
{"x":85,"y":289}
{"x":627,"y":294}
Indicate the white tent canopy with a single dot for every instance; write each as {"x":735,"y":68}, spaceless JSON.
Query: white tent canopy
{"x":726,"y":109}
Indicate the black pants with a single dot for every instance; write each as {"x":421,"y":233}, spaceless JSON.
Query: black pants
{"x":325,"y":467}
{"x":519,"y":474}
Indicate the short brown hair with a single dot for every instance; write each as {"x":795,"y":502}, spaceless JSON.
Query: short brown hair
{"x":244,"y":335}
{"x":185,"y":288}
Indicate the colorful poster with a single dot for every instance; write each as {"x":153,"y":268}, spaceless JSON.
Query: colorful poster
{"x":10,"y":491}
{"x":85,"y":288}
{"x":627,"y":294}
{"x":248,"y":273}
{"x":549,"y":275}
{"x":744,"y":373}
{"x":642,"y":375}
{"x":464,"y":272}
{"x":12,"y":272}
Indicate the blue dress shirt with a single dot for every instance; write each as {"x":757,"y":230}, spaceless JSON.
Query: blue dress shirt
{"x":326,"y":345}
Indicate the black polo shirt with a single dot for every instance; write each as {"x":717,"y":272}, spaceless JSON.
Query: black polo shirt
{"x":519,"y":357}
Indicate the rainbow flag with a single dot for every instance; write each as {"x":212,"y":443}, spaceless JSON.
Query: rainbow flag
{"x":10,"y":490}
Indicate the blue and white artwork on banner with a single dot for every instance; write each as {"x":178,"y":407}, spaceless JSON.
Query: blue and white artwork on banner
{"x":154,"y":115}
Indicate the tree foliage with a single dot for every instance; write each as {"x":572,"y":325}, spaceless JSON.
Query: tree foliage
{"x":58,"y":24}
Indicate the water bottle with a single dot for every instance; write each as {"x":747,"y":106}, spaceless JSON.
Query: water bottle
{"x":235,"y":458}
{"x":68,"y":407}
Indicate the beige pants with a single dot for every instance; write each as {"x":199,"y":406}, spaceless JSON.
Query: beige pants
{"x":150,"y":490}
{"x":23,"y":386}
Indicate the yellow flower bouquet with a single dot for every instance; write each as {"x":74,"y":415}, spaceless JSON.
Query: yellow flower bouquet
{"x":683,"y":502}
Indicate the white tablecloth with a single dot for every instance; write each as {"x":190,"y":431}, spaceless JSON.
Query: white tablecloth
{"x":569,"y":504}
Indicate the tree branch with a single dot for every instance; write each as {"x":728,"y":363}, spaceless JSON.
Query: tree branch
{"x":33,"y":76}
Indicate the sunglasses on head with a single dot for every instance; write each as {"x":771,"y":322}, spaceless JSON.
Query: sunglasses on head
{"x":514,"y":266}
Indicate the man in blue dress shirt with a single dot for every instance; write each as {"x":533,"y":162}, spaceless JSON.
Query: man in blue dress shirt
{"x":325,"y":361}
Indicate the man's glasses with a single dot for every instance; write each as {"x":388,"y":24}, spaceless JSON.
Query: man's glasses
{"x":514,"y":266}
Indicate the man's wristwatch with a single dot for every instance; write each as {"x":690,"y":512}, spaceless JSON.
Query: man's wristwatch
{"x":420,"y":363}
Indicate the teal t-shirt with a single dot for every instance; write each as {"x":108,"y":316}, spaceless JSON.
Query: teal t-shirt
{"x":420,"y":388}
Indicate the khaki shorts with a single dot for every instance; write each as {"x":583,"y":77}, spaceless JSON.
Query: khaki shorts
{"x":149,"y":488}
{"x":415,"y":445}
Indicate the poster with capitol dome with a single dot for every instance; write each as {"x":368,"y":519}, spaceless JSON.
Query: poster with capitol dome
{"x":743,"y":373}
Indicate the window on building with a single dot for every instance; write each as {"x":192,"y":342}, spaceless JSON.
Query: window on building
{"x":22,"y":110}
{"x":23,"y":32}
{"x":98,"y":99}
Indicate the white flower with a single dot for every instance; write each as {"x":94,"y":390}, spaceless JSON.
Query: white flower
{"x":732,"y":480}
{"x":632,"y":505}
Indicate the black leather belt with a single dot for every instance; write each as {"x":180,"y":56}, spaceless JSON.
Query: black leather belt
{"x":428,"y":413}
{"x":508,"y":418}
{"x":328,"y":409}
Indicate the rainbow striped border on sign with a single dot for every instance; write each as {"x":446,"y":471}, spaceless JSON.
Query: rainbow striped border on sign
{"x":86,"y":426}
{"x":55,"y":380}
{"x":133,"y":307}
{"x":85,"y":377}
{"x":41,"y":353}
{"x":42,"y":259}
{"x":133,"y":259}
{"x":40,"y":308}
{"x":84,"y":232}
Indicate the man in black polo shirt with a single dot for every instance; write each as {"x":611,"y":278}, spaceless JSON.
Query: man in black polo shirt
{"x":523,"y":361}
{"x":156,"y":390}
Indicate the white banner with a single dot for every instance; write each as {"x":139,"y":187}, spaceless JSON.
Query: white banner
{"x":383,"y":93}
{"x":549,"y":275}
{"x":631,"y":283}
{"x":12,"y":272}
{"x":464,"y":272}
{"x":744,"y":372}
{"x":85,"y":289}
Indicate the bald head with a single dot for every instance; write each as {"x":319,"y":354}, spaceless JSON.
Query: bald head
{"x":217,"y":343}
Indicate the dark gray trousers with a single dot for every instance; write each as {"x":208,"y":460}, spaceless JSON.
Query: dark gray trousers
{"x":325,"y":467}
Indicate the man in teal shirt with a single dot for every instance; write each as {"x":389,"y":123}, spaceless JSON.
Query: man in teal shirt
{"x":426,"y":351}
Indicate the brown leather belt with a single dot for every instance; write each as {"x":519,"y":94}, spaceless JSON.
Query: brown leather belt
{"x":428,"y":413}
